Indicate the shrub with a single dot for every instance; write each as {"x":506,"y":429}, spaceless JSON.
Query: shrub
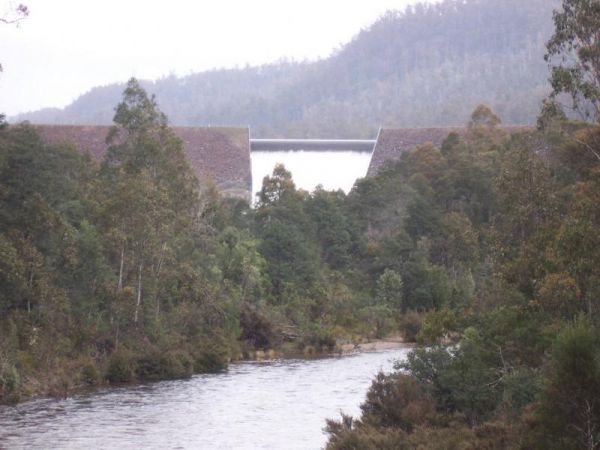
{"x":410,"y":325}
{"x":379,"y":319}
{"x":257,"y":331}
{"x":437,"y":326}
{"x":319,"y":338}
{"x":89,"y":373}
{"x":121,"y":367}
{"x":210,"y":359}
{"x":396,"y":401}
{"x":521,"y":388}
{"x":164,"y":365}
{"x":10,"y":382}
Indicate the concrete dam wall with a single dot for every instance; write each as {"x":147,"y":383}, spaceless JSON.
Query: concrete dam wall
{"x":222,"y":154}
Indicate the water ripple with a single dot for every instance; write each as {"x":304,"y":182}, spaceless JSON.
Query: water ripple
{"x":267,"y":405}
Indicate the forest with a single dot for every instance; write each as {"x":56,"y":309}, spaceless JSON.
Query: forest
{"x":483,"y":252}
{"x":429,"y":65}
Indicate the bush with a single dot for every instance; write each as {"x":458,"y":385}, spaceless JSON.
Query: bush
{"x":366,"y":438}
{"x":257,"y":331}
{"x":121,"y":367}
{"x":89,"y":373}
{"x":164,"y":365}
{"x":396,"y":401}
{"x":379,"y":320}
{"x":521,"y":387}
{"x":437,"y":326}
{"x":318,"y":338}
{"x":10,"y":382}
{"x":210,"y":359}
{"x":395,"y":406}
{"x":410,"y":325}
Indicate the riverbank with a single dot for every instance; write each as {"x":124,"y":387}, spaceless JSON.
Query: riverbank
{"x":388,"y":343}
{"x":341,"y":348}
{"x":64,"y":388}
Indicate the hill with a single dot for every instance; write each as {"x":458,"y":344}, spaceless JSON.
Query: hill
{"x":426,"y":66}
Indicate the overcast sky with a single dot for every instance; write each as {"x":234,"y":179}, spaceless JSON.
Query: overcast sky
{"x":66,"y":47}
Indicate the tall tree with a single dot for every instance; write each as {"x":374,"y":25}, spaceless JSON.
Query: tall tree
{"x":576,"y":46}
{"x":151,"y":193}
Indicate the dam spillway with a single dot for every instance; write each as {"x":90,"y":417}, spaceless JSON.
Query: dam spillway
{"x":332,"y":170}
{"x":330,"y":163}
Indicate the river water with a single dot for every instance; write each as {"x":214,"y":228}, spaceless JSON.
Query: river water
{"x":268,"y":405}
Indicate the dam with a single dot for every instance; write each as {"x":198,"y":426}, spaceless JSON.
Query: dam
{"x":237,"y":163}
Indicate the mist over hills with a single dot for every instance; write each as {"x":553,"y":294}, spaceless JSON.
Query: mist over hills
{"x":429,"y":65}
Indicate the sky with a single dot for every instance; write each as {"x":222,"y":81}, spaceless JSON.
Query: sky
{"x":66,"y":47}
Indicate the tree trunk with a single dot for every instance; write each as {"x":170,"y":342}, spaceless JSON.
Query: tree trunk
{"x":156,"y":281}
{"x":30,"y":291}
{"x":120,"y":284}
{"x":139,"y":293}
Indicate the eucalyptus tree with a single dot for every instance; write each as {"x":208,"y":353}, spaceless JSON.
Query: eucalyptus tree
{"x":151,"y":193}
{"x":574,"y":51}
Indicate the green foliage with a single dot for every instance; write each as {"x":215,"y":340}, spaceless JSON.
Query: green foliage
{"x":90,"y":374}
{"x":157,"y":364}
{"x":390,"y":290}
{"x":483,"y":116}
{"x":438,"y":326}
{"x":120,"y":261}
{"x":521,"y":388}
{"x":576,"y":45}
{"x":568,"y":412}
{"x":411,"y":324}
{"x":377,"y":320}
{"x":121,"y":367}
{"x":210,"y":359}
{"x":396,"y":401}
{"x":10,"y":381}
{"x":287,"y":238}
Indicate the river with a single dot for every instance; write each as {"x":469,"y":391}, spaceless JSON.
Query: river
{"x":268,"y":405}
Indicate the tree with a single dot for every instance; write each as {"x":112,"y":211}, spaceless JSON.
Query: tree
{"x":483,"y":116}
{"x":277,"y":186}
{"x":390,"y":290}
{"x":14,"y":16}
{"x":151,"y":193}
{"x":569,"y":407}
{"x":576,"y":45}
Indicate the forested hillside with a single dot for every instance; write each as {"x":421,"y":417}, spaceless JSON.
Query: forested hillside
{"x":427,"y":66}
{"x":483,"y":251}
